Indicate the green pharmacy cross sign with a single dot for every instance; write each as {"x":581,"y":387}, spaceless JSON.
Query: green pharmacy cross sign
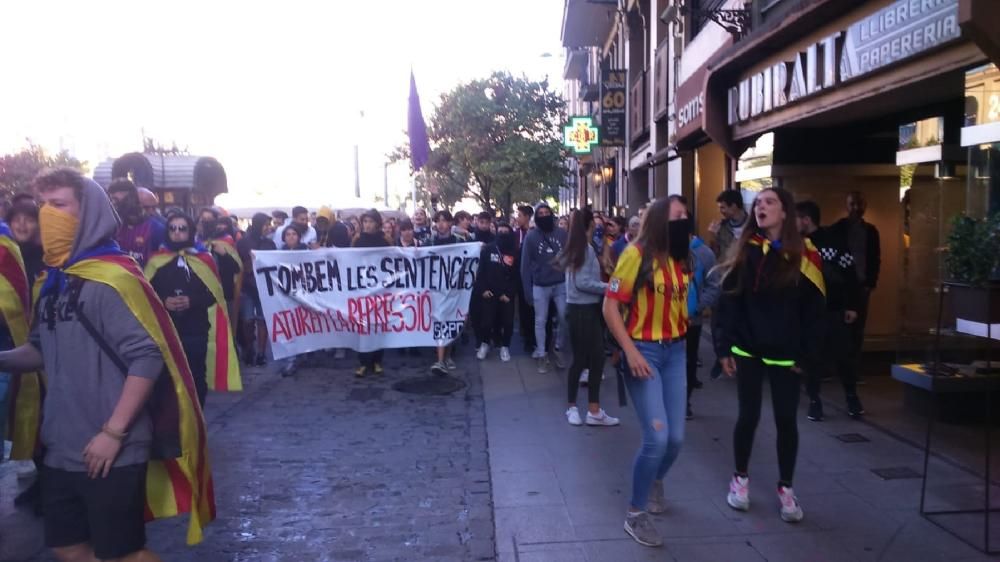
{"x":581,"y":135}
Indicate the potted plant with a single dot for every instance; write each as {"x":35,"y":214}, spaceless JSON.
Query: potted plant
{"x":973,"y":263}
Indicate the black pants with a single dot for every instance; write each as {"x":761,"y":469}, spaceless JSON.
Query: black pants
{"x":526,"y":315}
{"x":586,"y":336}
{"x":840,"y":354}
{"x":496,"y":321}
{"x":750,"y":374}
{"x":857,"y":329}
{"x":196,"y":350}
{"x":693,"y":340}
{"x":370,"y":358}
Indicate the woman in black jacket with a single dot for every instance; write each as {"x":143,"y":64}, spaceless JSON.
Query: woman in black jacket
{"x":770,"y":326}
{"x":370,"y":237}
{"x":186,"y":298}
{"x":251,"y":312}
{"x":23,"y":221}
{"x":496,"y":287}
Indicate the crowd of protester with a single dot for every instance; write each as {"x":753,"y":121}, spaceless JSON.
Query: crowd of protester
{"x":784,"y":299}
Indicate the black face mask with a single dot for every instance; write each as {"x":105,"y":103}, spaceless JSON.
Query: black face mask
{"x":506,"y":243}
{"x":209,"y":228}
{"x":177,"y":246}
{"x":546,"y":223}
{"x":485,"y":236}
{"x":679,"y":232}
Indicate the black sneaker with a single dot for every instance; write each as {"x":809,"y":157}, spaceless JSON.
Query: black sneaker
{"x":815,"y":411}
{"x":854,"y":407}
{"x":689,"y":414}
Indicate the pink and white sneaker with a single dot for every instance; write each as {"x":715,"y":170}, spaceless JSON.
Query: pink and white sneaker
{"x":739,"y":493}
{"x":791,"y":511}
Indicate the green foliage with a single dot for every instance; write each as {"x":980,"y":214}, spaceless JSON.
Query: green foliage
{"x":973,"y":252}
{"x":497,"y":140}
{"x":19,"y":169}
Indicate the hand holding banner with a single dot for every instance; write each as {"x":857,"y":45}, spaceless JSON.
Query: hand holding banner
{"x":365,"y":298}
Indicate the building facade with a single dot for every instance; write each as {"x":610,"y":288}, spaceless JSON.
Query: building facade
{"x":898,"y":99}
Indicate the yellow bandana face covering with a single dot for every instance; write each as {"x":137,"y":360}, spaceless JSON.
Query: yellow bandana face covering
{"x":58,"y":232}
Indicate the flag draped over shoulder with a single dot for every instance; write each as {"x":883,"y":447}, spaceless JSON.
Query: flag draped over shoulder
{"x":811,"y":264}
{"x":420,"y":148}
{"x":183,"y":483}
{"x":223,"y":367}
{"x":26,"y":390}
{"x":227,"y":246}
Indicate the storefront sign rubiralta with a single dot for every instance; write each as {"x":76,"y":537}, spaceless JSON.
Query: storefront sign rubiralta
{"x":897,"y":32}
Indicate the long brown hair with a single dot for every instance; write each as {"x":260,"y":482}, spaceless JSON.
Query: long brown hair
{"x":786,"y":272}
{"x":577,"y":243}
{"x":654,"y":241}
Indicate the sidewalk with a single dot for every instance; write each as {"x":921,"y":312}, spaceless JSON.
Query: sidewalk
{"x":560,"y":492}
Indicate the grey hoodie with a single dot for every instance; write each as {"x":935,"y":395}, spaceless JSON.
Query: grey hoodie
{"x":84,"y":385}
{"x":585,"y":286}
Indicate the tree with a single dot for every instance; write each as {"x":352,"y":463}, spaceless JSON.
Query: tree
{"x":497,"y":140}
{"x":17,"y":170}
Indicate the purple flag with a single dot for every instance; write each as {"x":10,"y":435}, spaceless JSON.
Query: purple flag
{"x":420,"y":149}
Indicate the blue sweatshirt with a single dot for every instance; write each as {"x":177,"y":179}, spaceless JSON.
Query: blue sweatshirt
{"x":704,"y":289}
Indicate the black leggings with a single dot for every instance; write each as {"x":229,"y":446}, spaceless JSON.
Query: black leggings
{"x":196,"y":351}
{"x":693,"y":339}
{"x":840,"y":355}
{"x":586,"y":336}
{"x":750,"y":374}
{"x":369,"y":358}
{"x":495,"y":322}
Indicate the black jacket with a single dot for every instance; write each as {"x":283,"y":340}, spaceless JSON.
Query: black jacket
{"x":769,"y":322}
{"x":495,"y":273}
{"x":228,"y":268}
{"x":873,"y":248}
{"x":365,"y":240}
{"x":444,"y":240}
{"x":173,"y":280}
{"x":244,"y":247}
{"x":843,"y":292}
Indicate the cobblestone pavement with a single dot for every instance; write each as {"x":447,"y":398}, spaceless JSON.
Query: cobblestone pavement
{"x":324,"y":466}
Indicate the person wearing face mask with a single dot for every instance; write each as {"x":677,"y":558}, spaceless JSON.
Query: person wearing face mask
{"x":771,"y":318}
{"x":703,"y":290}
{"x":544,"y":280}
{"x":186,"y":279}
{"x":215,"y":235}
{"x":496,"y":287}
{"x":251,"y":312}
{"x":584,"y":292}
{"x":646,"y":310}
{"x":22,"y":218}
{"x":139,"y":235}
{"x":104,"y":339}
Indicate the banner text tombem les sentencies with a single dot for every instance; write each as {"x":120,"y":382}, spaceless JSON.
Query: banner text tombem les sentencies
{"x":365,"y":299}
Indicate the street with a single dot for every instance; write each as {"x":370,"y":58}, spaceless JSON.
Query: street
{"x":324,"y":466}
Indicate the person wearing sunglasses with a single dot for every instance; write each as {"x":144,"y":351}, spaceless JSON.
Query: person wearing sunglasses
{"x":186,"y":279}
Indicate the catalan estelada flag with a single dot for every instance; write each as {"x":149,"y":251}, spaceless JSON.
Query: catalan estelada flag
{"x":227,"y":246}
{"x":223,"y":367}
{"x":811,"y":263}
{"x":27,"y":389}
{"x":182,"y":482}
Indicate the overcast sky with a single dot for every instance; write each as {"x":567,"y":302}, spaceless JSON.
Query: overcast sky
{"x":272,"y":89}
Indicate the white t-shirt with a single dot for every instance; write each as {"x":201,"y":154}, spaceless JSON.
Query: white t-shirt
{"x":308,"y":238}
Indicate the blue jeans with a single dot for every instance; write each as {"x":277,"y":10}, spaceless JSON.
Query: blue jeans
{"x":541,"y":296}
{"x":660,"y":406}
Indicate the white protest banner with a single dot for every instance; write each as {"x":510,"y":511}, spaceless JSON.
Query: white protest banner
{"x":365,"y":298}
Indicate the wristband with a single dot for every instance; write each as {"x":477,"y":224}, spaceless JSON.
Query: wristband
{"x":113,"y":434}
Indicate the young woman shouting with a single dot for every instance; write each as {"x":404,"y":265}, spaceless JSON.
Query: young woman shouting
{"x":770,"y":322}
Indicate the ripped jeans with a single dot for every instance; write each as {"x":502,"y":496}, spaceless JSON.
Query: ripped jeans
{"x":660,"y":404}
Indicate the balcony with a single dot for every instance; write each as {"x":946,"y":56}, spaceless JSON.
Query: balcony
{"x":638,"y":106}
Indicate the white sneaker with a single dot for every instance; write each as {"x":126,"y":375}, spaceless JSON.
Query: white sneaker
{"x":450,"y":364}
{"x":791,"y":511}
{"x":585,"y":376}
{"x":484,"y":348}
{"x":573,"y":416}
{"x":739,"y":493}
{"x":602,"y":418}
{"x":505,"y":354}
